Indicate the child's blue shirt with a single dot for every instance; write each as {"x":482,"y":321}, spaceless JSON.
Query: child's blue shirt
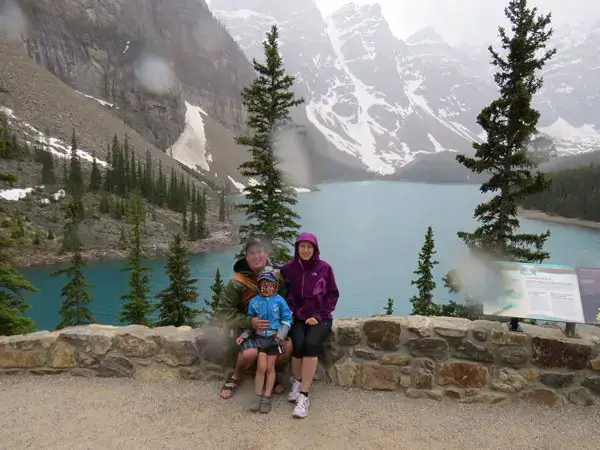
{"x":274,"y":309}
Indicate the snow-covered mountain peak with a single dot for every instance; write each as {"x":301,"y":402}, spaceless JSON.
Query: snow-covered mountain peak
{"x":363,"y":18}
{"x":384,"y":102}
{"x":425,"y":36}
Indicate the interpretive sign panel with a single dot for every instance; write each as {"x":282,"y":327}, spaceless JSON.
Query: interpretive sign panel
{"x":537,"y":291}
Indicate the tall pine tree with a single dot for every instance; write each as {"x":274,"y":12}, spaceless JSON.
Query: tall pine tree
{"x":268,"y":101}
{"x":423,"y":304}
{"x":48,"y":175}
{"x":222,"y":206}
{"x":74,"y":309}
{"x":510,"y":122}
{"x":95,"y":177}
{"x":137,"y":305}
{"x":75,"y":172}
{"x":217,"y":288}
{"x":71,"y":241}
{"x":176,"y":302}
{"x":13,"y":287}
{"x":75,"y":183}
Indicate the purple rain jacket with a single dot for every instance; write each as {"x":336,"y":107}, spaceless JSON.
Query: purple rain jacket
{"x":312,"y":291}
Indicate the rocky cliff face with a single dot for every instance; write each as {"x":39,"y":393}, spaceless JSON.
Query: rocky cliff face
{"x":143,"y":56}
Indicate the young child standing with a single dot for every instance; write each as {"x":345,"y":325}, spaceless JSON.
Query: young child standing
{"x":267,"y":305}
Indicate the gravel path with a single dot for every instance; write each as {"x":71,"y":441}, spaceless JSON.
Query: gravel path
{"x":63,"y":412}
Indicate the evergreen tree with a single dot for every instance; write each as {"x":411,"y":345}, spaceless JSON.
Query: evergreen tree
{"x":74,"y":309}
{"x":510,"y":122}
{"x":95,"y":177}
{"x":222,"y":206}
{"x":184,"y":221}
{"x":71,"y":241}
{"x":123,"y":238}
{"x":423,"y":304}
{"x":161,"y":188}
{"x":217,"y":288}
{"x":193,"y":228}
{"x":104,"y":206}
{"x":75,"y":183}
{"x":65,"y":174}
{"x":201,"y":227}
{"x":13,"y":287}
{"x":109,"y":175}
{"x":268,"y":101}
{"x":9,"y":178}
{"x":48,"y":175}
{"x":574,"y":193}
{"x":177,"y":300}
{"x":75,"y":172}
{"x":136,"y":302}
{"x":389,"y":307}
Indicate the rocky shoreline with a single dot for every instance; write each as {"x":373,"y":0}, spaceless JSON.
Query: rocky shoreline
{"x":545,"y":217}
{"x":220,"y":240}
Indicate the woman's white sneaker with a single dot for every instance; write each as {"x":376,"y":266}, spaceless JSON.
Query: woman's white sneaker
{"x":301,"y":409}
{"x":295,"y":392}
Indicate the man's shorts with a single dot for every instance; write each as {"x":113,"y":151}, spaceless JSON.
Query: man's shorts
{"x":264,"y":344}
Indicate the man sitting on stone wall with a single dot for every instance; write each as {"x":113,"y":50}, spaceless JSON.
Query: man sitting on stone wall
{"x":232,"y":311}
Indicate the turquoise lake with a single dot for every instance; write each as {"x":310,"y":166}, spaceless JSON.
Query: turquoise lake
{"x":370,"y":232}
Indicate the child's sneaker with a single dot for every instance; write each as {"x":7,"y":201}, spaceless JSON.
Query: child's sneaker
{"x":256,"y":402}
{"x":265,"y":405}
{"x":295,"y":393}
{"x":301,"y":409}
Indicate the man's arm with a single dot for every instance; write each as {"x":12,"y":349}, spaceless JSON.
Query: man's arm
{"x":228,"y":309}
{"x":252,"y":312}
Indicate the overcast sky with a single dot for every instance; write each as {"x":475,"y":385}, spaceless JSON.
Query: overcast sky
{"x":472,"y":21}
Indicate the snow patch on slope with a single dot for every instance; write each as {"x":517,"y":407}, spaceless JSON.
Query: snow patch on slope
{"x":190,"y":147}
{"x":16,"y":194}
{"x":53,"y":145}
{"x":418,"y":101}
{"x":436,"y":145}
{"x":239,"y":186}
{"x":13,"y":195}
{"x":252,"y":182}
{"x":102,"y":102}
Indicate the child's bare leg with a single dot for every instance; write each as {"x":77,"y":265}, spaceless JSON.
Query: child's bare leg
{"x":271,"y":375}
{"x":259,"y":381}
{"x":265,"y":405}
{"x":261,"y":370}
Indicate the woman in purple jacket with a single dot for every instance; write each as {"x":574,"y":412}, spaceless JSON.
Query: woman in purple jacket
{"x":312,"y":297}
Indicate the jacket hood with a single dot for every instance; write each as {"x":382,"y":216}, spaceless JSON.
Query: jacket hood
{"x":308,"y":237}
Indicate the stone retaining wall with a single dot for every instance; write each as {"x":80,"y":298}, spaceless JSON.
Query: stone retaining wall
{"x":471,"y":361}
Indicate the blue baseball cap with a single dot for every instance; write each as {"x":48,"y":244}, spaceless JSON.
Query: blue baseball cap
{"x":267,"y":276}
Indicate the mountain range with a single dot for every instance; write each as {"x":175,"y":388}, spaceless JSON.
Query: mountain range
{"x":395,"y":104}
{"x":170,"y":74}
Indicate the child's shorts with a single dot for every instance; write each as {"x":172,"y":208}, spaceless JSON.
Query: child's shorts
{"x":267,"y":344}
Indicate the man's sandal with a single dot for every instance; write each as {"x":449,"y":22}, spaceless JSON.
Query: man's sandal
{"x":229,"y":388}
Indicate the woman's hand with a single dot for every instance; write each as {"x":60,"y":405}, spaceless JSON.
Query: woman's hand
{"x":312,"y":321}
{"x":239,"y":340}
